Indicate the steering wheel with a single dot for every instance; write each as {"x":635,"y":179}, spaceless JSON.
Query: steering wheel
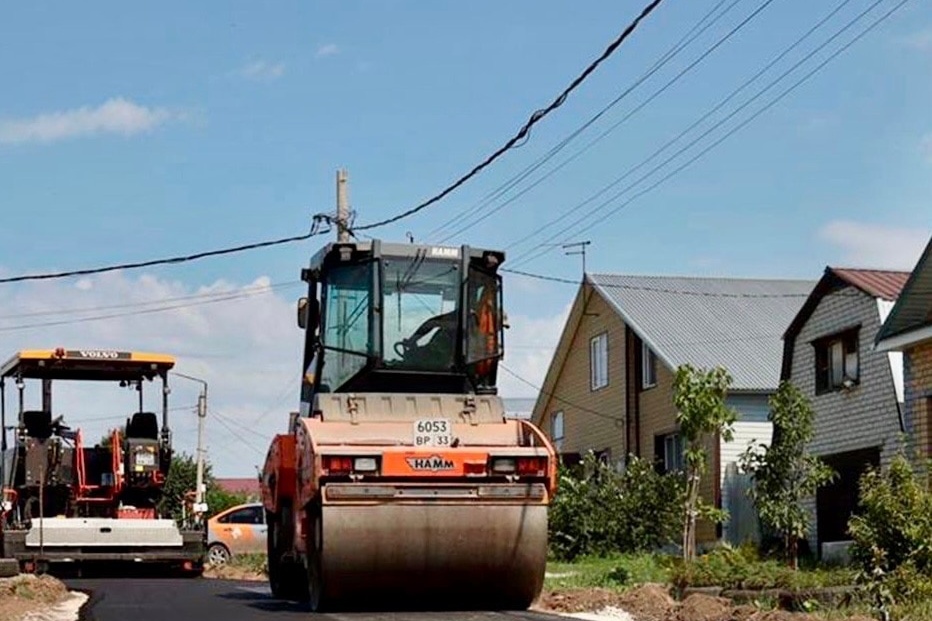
{"x":404,"y":348}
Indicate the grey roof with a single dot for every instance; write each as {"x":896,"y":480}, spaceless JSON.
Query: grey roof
{"x":732,"y":322}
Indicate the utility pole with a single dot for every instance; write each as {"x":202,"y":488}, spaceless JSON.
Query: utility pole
{"x":342,"y":206}
{"x":582,"y":251}
{"x":200,"y":507}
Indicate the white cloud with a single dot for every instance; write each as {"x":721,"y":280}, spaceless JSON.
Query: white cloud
{"x":327,"y":49}
{"x":262,"y":70}
{"x":921,"y":40}
{"x":529,"y":346}
{"x":875,"y":245}
{"x":247,"y":349}
{"x":115,"y":116}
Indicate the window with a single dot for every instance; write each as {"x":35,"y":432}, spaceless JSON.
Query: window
{"x":837,"y":361}
{"x":598,"y":362}
{"x":648,"y":367}
{"x":246,"y":515}
{"x":346,"y":323}
{"x":668,"y":453}
{"x":556,"y":429}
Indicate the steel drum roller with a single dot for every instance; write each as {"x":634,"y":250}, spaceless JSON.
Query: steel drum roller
{"x":434,"y":554}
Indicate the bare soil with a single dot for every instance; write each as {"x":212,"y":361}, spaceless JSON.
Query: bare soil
{"x":233,"y":572}
{"x":29,"y":593}
{"x":654,"y":602}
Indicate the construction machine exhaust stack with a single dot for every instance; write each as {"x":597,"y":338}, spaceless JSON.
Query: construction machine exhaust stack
{"x":401,"y":478}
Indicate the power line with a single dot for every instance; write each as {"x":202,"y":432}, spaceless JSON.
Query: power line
{"x":727,"y":135}
{"x":628,"y":116}
{"x":687,"y":39}
{"x":103,"y":307}
{"x":171,"y":260}
{"x":524,"y":131}
{"x":63,"y":322}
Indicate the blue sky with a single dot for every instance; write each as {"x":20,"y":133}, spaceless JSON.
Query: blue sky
{"x":131,"y":132}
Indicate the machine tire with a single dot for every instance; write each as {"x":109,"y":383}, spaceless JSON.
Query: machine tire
{"x":9,"y":567}
{"x":287,"y":579}
{"x":315,"y":580}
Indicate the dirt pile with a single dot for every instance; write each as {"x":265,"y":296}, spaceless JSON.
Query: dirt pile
{"x":29,"y":593}
{"x":649,"y":602}
{"x":234,"y":572}
{"x":699,"y":607}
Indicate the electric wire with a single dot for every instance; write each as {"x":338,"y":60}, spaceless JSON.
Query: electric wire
{"x":535,"y":118}
{"x":624,"y":119}
{"x":516,"y":179}
{"x":728,"y":134}
{"x":63,"y":322}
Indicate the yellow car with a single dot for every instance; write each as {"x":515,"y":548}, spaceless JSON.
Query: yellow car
{"x":238,"y":530}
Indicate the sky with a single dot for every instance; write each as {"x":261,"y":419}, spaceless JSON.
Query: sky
{"x":132,"y":132}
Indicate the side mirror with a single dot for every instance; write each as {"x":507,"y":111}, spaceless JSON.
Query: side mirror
{"x":302,"y":313}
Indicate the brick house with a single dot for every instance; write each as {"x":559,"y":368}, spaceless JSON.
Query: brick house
{"x":855,"y":392}
{"x":908,"y":329}
{"x":609,"y":386}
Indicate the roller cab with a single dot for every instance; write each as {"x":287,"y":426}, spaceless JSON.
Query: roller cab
{"x":401,"y":479}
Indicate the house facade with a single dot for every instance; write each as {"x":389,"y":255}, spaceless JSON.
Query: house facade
{"x":908,"y":329}
{"x":609,"y":387}
{"x":856,"y":393}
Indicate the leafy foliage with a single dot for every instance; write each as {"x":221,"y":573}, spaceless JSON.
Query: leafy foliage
{"x":699,"y":397}
{"x":182,"y":479}
{"x":892,"y":533}
{"x":783,"y":472}
{"x":598,"y":511}
{"x":742,"y":568}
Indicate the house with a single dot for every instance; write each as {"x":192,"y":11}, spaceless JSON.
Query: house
{"x":248,"y":487}
{"x":609,"y":387}
{"x":855,"y":392}
{"x":908,"y":329}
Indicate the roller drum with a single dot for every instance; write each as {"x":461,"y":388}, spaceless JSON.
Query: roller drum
{"x":432,"y":555}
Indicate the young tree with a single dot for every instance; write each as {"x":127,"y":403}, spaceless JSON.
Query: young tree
{"x":699,"y":397}
{"x":783,"y":472}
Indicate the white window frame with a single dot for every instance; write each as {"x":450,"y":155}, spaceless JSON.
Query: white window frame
{"x":557,"y":420}
{"x":598,"y":361}
{"x":648,"y":366}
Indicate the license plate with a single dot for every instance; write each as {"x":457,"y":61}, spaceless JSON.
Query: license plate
{"x":433,"y":432}
{"x":145,"y":459}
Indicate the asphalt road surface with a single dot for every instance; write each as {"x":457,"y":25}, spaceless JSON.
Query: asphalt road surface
{"x":167,"y":599}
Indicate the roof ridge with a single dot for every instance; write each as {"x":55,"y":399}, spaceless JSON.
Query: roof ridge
{"x":870,"y":269}
{"x":696,"y":277}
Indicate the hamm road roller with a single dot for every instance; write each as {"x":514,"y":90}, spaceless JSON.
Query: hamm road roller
{"x":401,"y":481}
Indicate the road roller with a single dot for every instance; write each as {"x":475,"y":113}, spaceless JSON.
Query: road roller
{"x":401,"y":481}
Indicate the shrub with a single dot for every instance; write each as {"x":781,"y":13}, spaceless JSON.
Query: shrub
{"x":598,"y":511}
{"x":892,"y":533}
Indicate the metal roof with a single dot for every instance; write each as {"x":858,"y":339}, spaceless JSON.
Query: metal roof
{"x":882,"y":284}
{"x":913,"y":309}
{"x":732,"y":322}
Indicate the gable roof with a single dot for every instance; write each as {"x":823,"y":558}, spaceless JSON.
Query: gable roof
{"x":732,"y":322}
{"x":883,"y":284}
{"x":913,"y":309}
{"x":879,"y":284}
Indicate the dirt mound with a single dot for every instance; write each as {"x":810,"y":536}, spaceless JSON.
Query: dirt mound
{"x":648,"y":602}
{"x":28,"y":593}
{"x":699,"y":607}
{"x":577,"y":600}
{"x":44,"y":589}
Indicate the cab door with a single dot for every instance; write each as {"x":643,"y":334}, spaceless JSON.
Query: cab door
{"x":243,"y":529}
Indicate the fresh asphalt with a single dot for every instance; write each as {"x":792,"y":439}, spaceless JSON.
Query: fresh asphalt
{"x":201,"y":599}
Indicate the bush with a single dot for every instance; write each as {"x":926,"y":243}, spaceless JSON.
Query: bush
{"x":598,"y":511}
{"x":892,"y":533}
{"x":742,"y":568}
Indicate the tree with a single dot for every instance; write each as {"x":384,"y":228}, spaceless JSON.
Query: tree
{"x":699,"y":397}
{"x":182,"y":479}
{"x":784,"y":473}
